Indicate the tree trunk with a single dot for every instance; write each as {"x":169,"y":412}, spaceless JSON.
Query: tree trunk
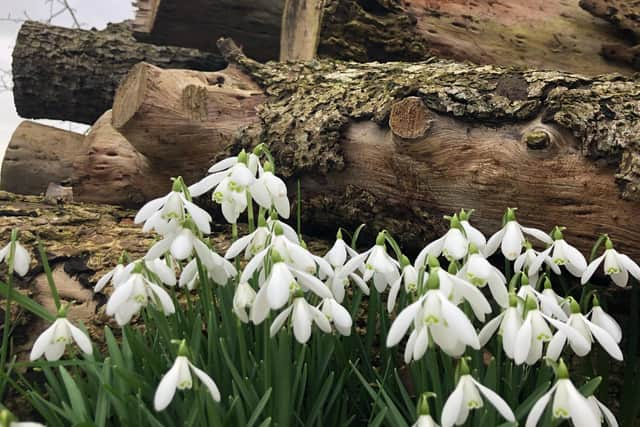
{"x":38,"y":155}
{"x":69,"y":74}
{"x":559,"y":146}
{"x":532,"y":33}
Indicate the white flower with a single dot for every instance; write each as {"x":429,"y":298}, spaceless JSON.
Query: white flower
{"x":343,"y":275}
{"x":128,"y":298}
{"x":243,"y":298}
{"x":116,"y":276}
{"x":526,"y":259}
{"x":380,"y":266}
{"x":173,"y":206}
{"x":507,"y":324}
{"x":339,"y":253}
{"x":468,"y":396}
{"x":338,"y":315}
{"x":425,"y":421}
{"x":616,"y":265}
{"x":21,"y":258}
{"x":8,"y":420}
{"x":269,"y":190}
{"x":535,"y":331}
{"x":251,"y":244}
{"x":453,"y":245}
{"x":179,"y":377}
{"x":589,"y":331}
{"x":602,"y":412}
{"x":159,"y":267}
{"x":409,"y":277}
{"x":54,"y":339}
{"x":219,"y":270}
{"x":511,"y":238}
{"x":567,"y":403}
{"x":474,"y":235}
{"x":434,"y":317}
{"x":240,"y":169}
{"x":303,"y":315}
{"x":606,"y":322}
{"x":479,"y":272}
{"x":560,"y":253}
{"x":458,"y":290}
{"x":232,"y":198}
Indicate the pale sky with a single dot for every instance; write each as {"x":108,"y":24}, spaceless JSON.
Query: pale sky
{"x":90,"y":13}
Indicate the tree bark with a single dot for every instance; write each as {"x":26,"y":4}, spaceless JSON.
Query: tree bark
{"x":70,"y":74}
{"x":559,"y":146}
{"x":38,"y":155}
{"x":533,"y":33}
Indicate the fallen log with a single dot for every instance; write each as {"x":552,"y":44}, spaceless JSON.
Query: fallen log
{"x":533,"y":33}
{"x":559,"y":146}
{"x":71,"y":74}
{"x":109,"y":170}
{"x":38,"y":155}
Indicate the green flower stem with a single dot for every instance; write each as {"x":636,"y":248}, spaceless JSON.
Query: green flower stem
{"x":49,"y":274}
{"x":5,"y":335}
{"x":250,"y":219}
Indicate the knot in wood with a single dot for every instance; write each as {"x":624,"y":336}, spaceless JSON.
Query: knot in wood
{"x":537,"y":139}
{"x":410,"y":118}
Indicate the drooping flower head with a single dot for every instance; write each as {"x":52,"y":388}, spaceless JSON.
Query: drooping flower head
{"x":616,"y":265}
{"x":15,"y":255}
{"x":53,"y":341}
{"x":511,"y":237}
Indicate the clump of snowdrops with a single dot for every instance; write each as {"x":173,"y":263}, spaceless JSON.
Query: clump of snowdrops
{"x":270,"y":333}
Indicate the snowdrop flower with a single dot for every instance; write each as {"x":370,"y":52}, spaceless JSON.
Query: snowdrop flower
{"x":550,"y":302}
{"x":560,"y":253}
{"x":453,"y":245}
{"x":568,"y":402}
{"x":338,"y":315}
{"x":507,"y":324}
{"x":458,"y":290}
{"x":424,"y":416}
{"x":179,"y":377}
{"x":17,"y":255}
{"x":270,"y":191}
{"x":343,"y":275}
{"x":54,"y":339}
{"x":480,"y":272}
{"x":116,"y":276}
{"x":339,"y":253}
{"x":128,"y":298}
{"x":616,"y":265}
{"x":588,"y":330}
{"x":159,"y":267}
{"x":526,"y":259}
{"x":409,"y":277}
{"x":240,"y":169}
{"x":8,"y":420}
{"x":535,"y":331}
{"x":605,"y":321}
{"x":218,"y":269}
{"x":602,"y":412}
{"x":303,"y":315}
{"x":243,"y":298}
{"x":468,"y":396}
{"x":252,"y":243}
{"x":232,"y":199}
{"x":434,"y":317}
{"x":511,"y":237}
{"x":173,"y":206}
{"x":473,"y":235}
{"x":380,"y":266}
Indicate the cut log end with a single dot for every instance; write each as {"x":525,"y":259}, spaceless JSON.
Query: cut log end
{"x":130,"y":93}
{"x":410,"y":118}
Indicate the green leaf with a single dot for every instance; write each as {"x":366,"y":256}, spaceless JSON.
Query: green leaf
{"x":27,"y":303}
{"x":75,"y":396}
{"x":588,"y":388}
{"x":259,"y":408}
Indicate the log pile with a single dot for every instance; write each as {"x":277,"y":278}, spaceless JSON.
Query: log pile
{"x":392,"y":144}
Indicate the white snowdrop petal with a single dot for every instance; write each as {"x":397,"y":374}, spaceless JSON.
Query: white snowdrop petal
{"x":239,"y":245}
{"x":200,"y":217}
{"x":591,"y":268}
{"x":421,"y":343}
{"x":523,"y":341}
{"x":54,"y":351}
{"x":260,"y":193}
{"x":609,"y":417}
{"x":557,"y":343}
{"x":103,"y":281}
{"x":206,"y":184}
{"x":581,"y":413}
{"x":313,"y":284}
{"x":538,"y":409}
{"x":494,"y":242}
{"x":534,"y":267}
{"x":301,"y":321}
{"x":460,"y":323}
{"x":260,"y":308}
{"x":490,"y":329}
{"x":402,"y":322}
{"x":512,"y":241}
{"x":496,"y":401}
{"x":606,"y":322}
{"x":278,"y":286}
{"x":253,"y":265}
{"x":223,"y":164}
{"x":166,"y":303}
{"x":538,"y":234}
{"x":80,"y":338}
{"x":629,"y":265}
{"x":434,"y":249}
{"x":474,"y":235}
{"x":119,"y":296}
{"x":167,"y":388}
{"x":279,"y":321}
{"x":158,"y":249}
{"x":21,"y":260}
{"x":360,"y":283}
{"x":149,"y":209}
{"x":606,"y":341}
{"x":578,"y":342}
{"x":337,"y":255}
{"x":42,"y":343}
{"x":452,"y":407}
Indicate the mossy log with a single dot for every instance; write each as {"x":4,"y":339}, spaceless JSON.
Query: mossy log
{"x":398,"y":145}
{"x":535,"y":33}
{"x":71,"y":74}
